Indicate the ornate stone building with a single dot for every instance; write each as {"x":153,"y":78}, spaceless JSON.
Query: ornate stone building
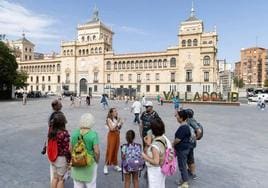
{"x":89,"y":65}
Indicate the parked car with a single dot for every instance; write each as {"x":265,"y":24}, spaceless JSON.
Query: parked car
{"x":256,"y":97}
{"x":51,"y":93}
{"x":69,"y":93}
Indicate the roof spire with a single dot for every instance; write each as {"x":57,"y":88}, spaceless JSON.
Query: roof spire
{"x":95,"y":14}
{"x":192,"y":9}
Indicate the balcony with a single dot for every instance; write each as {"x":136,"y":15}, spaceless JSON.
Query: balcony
{"x":95,"y":81}
{"x":189,"y":80}
{"x":206,"y":80}
{"x":108,"y":81}
{"x":172,"y":80}
{"x":138,"y":81}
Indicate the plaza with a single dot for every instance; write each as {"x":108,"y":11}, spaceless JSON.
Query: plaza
{"x":232,"y":154}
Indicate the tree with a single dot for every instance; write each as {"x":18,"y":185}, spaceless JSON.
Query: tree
{"x":8,"y":72}
{"x":266,"y":83}
{"x":238,"y":82}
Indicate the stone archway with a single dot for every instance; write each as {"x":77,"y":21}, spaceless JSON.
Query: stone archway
{"x":83,"y":86}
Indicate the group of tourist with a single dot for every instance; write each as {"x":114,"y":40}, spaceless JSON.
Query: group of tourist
{"x":151,"y":152}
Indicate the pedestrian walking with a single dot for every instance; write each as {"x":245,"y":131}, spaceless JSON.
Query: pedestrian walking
{"x":104,"y":101}
{"x":72,"y":100}
{"x":88,"y":100}
{"x":136,"y":109}
{"x":86,"y":176}
{"x":176,"y":103}
{"x":24,"y":98}
{"x":114,"y":124}
{"x":143,"y":100}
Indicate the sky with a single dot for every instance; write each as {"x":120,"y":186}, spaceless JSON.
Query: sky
{"x":139,"y":25}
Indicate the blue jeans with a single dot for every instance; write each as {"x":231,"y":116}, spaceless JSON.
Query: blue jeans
{"x":137,"y":118}
{"x":182,"y":156}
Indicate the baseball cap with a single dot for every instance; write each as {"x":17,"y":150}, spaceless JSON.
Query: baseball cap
{"x":149,"y":103}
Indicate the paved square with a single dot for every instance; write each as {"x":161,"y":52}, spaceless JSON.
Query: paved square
{"x":232,"y":154}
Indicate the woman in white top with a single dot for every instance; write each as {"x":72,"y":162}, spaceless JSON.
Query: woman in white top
{"x":114,"y":124}
{"x":154,"y":155}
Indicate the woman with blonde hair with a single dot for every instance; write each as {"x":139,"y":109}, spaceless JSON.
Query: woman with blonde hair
{"x":114,"y":124}
{"x":86,"y":176}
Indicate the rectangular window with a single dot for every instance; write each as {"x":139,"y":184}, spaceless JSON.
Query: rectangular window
{"x":121,"y":77}
{"x":156,"y":76}
{"x":37,"y":79}
{"x":147,"y":88}
{"x":121,"y":86}
{"x":129,"y":86}
{"x":148,"y":77}
{"x":206,"y":76}
{"x":138,"y":88}
{"x":49,"y":78}
{"x":95,"y":88}
{"x":31,"y":88}
{"x":31,"y":78}
{"x":49,"y":88}
{"x":108,"y":78}
{"x":25,"y":57}
{"x":172,"y":77}
{"x":129,"y":77}
{"x":95,"y":76}
{"x":37,"y":88}
{"x":189,"y":76}
{"x":188,"y":88}
{"x":138,"y":77}
{"x":157,"y":88}
{"x":43,"y":78}
{"x":58,"y":79}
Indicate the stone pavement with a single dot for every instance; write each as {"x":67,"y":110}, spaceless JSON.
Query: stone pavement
{"x":232,"y":154}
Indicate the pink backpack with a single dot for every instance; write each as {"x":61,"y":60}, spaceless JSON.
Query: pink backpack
{"x":169,"y":165}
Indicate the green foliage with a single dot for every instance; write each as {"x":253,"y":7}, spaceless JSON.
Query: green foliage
{"x":8,"y":70}
{"x":238,"y":82}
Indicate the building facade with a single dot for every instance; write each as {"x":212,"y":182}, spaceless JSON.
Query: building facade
{"x":225,"y":77}
{"x":89,"y":65}
{"x":253,"y":67}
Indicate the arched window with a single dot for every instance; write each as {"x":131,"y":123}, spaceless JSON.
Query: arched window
{"x":165,"y":63}
{"x":132,"y":64}
{"x":155,"y":63}
{"x":100,"y":50}
{"x":68,"y":52}
{"x":189,"y":42}
{"x":159,"y":63}
{"x":94,"y":37}
{"x":92,"y":51}
{"x":58,"y":67}
{"x":53,"y":68}
{"x":83,"y":39}
{"x":206,"y":60}
{"x":86,"y":51}
{"x":119,"y":65}
{"x":141,"y":64}
{"x":173,"y":62}
{"x":115,"y":65}
{"x":96,"y":50}
{"x":128,"y":64}
{"x":123,"y":65}
{"x":80,"y":52}
{"x":183,"y":43}
{"x":145,"y":64}
{"x":137,"y":64}
{"x":87,"y":38}
{"x":108,"y":65}
{"x":71,"y":52}
{"x":195,"y":42}
{"x":64,"y":52}
{"x":150,"y":63}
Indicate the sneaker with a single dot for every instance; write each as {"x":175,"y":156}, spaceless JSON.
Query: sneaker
{"x":194,"y":176}
{"x":105,"y":170}
{"x":117,"y":168}
{"x":184,"y":185}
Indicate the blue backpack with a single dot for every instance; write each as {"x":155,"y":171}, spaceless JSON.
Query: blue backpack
{"x":131,"y":157}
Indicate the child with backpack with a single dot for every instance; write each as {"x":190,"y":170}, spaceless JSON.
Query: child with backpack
{"x":132,"y":162}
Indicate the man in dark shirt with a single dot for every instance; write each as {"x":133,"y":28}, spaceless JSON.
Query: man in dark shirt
{"x":146,"y":118}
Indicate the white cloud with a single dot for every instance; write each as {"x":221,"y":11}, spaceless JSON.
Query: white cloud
{"x":14,"y":18}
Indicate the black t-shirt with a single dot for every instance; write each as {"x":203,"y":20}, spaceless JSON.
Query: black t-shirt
{"x":183,"y":133}
{"x":146,"y":118}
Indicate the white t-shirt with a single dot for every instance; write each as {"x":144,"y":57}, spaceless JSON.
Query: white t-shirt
{"x":136,"y":106}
